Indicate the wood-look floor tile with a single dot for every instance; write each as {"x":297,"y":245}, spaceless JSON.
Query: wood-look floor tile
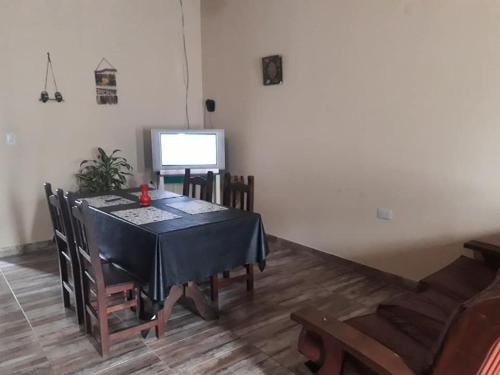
{"x":19,"y":349}
{"x":244,"y":359}
{"x":147,"y":364}
{"x":254,"y":334}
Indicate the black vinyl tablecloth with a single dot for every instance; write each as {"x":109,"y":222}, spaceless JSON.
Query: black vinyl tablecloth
{"x":190,"y":248}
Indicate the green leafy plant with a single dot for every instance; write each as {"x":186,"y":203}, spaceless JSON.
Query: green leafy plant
{"x":107,"y":172}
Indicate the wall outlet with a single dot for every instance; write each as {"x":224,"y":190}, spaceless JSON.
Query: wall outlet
{"x":385,"y":214}
{"x":10,"y":139}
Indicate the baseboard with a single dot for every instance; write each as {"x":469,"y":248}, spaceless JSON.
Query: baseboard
{"x":25,"y":248}
{"x":410,"y":284}
{"x":46,"y":245}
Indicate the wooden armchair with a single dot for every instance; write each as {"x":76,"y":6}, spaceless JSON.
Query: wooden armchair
{"x":451,"y":325}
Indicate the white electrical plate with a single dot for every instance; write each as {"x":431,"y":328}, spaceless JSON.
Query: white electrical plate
{"x":385,"y":214}
{"x":10,"y":139}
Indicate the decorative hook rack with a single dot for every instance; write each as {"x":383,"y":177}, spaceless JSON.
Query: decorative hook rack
{"x":44,"y":95}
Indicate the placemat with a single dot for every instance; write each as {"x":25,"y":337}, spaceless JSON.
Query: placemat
{"x":107,"y":201}
{"x":145,"y":215}
{"x":196,"y":207}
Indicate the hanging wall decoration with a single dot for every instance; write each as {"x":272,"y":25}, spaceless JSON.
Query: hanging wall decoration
{"x":105,"y":80}
{"x":272,"y":69}
{"x":44,"y":95}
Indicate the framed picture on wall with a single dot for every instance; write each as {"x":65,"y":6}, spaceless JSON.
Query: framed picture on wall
{"x":105,"y":81}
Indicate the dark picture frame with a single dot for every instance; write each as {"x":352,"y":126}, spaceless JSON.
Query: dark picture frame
{"x":272,"y":70}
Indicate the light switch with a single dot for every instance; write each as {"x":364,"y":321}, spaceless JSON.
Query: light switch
{"x":385,"y":214}
{"x":10,"y":139}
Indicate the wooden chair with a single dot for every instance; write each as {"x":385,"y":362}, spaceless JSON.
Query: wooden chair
{"x":206,"y":185}
{"x":106,"y":288}
{"x":69,"y":269}
{"x":236,"y":194}
{"x":450,"y":325}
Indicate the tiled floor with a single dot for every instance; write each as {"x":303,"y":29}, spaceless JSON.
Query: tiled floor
{"x":253,"y":335}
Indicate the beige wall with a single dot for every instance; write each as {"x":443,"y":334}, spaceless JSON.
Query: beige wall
{"x":386,"y":103}
{"x":142,"y":39}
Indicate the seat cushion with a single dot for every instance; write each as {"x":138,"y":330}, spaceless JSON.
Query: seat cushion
{"x":492,"y":291}
{"x":114,"y":275}
{"x":462,"y":279}
{"x":423,"y":315}
{"x":417,"y":356}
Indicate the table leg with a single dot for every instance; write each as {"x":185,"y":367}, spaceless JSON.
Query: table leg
{"x":201,"y":305}
{"x":176,"y":292}
{"x":190,"y":293}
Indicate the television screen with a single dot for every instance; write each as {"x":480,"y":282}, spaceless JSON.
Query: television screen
{"x":198,"y":149}
{"x":188,"y":149}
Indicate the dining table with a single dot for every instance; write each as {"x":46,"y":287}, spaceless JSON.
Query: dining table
{"x":175,"y":243}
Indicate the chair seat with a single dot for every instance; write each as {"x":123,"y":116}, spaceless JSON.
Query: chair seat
{"x":422,"y":316}
{"x":114,"y":276}
{"x":415,"y":354}
{"x":462,"y":279}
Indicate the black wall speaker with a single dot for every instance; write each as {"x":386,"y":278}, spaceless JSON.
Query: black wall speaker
{"x":210,"y":105}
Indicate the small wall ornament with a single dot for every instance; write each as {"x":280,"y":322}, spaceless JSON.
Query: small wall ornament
{"x":272,"y":70}
{"x":44,"y":95}
{"x":105,"y":80}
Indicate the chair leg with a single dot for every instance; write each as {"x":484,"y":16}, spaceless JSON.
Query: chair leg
{"x":160,"y":326}
{"x":250,"y":282}
{"x":138,"y":303}
{"x":78,"y":290}
{"x":214,"y":289}
{"x":88,"y":323}
{"x":63,"y":268}
{"x":104,"y":334}
{"x":141,"y":311}
{"x":103,"y":326}
{"x":86,"y":300}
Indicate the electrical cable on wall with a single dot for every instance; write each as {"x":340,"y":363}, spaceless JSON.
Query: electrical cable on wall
{"x":186,"y":81}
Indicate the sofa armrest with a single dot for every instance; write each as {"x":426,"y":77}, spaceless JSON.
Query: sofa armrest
{"x":490,"y":253}
{"x":364,"y":348}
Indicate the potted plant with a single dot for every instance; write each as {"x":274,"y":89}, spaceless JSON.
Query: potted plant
{"x":107,"y":172}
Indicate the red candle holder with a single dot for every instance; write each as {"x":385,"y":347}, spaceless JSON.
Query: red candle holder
{"x":145,"y":198}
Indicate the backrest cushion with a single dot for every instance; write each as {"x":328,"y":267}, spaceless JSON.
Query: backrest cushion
{"x":491,"y":292}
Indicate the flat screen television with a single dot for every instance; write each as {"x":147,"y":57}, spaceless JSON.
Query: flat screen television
{"x":198,"y":149}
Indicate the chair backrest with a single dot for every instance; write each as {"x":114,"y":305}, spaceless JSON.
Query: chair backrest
{"x":237,"y":194}
{"x":206,"y":185}
{"x":52,"y":209}
{"x":86,"y":245}
{"x":61,"y":223}
{"x":471,"y":333}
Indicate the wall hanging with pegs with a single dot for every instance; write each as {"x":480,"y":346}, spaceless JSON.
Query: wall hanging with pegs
{"x":44,"y":95}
